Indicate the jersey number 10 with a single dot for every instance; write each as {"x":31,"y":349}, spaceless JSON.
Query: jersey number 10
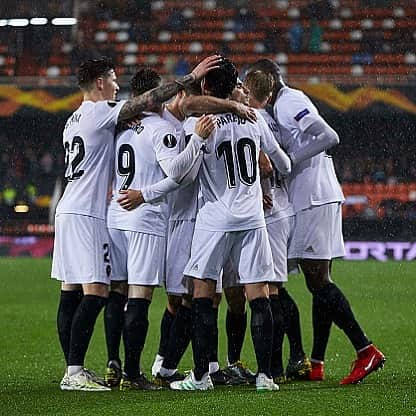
{"x":245,"y":150}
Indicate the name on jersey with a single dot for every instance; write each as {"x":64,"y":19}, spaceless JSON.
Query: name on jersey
{"x":74,"y":119}
{"x":230,"y":118}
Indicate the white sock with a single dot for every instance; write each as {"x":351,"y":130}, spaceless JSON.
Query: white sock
{"x":74,"y":369}
{"x":213,"y":367}
{"x":159,"y":358}
{"x":166,"y":372}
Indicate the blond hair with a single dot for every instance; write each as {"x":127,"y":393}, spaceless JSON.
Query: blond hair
{"x":260,"y":85}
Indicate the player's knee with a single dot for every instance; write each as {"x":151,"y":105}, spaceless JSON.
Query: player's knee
{"x":174,"y":302}
{"x":204,"y":288}
{"x":120,"y":287}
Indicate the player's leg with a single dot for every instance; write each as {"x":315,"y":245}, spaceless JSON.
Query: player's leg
{"x":179,"y":336}
{"x":277,"y":370}
{"x":136,"y":325}
{"x":329,"y":303}
{"x":168,"y":318}
{"x":71,"y":294}
{"x":236,"y":325}
{"x":317,"y":277}
{"x":218,"y":376}
{"x":252,"y":255}
{"x":235,"y":321}
{"x":207,"y":259}
{"x":114,"y":309}
{"x":146,"y":270}
{"x":113,"y":327}
{"x":93,"y":301}
{"x":89,"y":266}
{"x":177,"y":255}
{"x":261,"y":333}
{"x":179,"y":339}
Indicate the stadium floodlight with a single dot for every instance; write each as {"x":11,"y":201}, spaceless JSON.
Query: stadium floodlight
{"x":21,"y":208}
{"x":3,"y":22}
{"x":18,"y":22}
{"x":37,"y":21}
{"x":64,"y":21}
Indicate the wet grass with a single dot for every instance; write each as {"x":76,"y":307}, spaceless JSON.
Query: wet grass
{"x":382,"y":295}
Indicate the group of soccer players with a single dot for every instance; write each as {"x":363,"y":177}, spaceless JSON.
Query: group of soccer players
{"x":204,"y":184}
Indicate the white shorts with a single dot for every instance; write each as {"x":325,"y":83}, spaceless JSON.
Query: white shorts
{"x":318,"y":233}
{"x":137,"y":257}
{"x":180,"y":235}
{"x":81,"y":252}
{"x":249,"y":251}
{"x":280,"y":233}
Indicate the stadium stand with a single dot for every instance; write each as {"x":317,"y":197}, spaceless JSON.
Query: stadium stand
{"x":353,"y":40}
{"x":347,"y":42}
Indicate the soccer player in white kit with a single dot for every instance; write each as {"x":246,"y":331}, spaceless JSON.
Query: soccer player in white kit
{"x":176,"y":320}
{"x":231,"y":224}
{"x":279,"y":215}
{"x":81,"y":258}
{"x":316,"y":196}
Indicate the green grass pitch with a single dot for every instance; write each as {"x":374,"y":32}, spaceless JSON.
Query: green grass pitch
{"x":383,"y":299}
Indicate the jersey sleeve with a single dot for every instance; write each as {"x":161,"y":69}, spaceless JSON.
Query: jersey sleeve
{"x":165,"y":142}
{"x":106,"y":113}
{"x":295,"y":109}
{"x":271,"y":147}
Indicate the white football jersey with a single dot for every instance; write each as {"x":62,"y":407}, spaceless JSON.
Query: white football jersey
{"x":183,"y":202}
{"x":229,"y":175}
{"x":138,"y":153}
{"x":89,"y":151}
{"x":276,"y":186}
{"x":313,"y":181}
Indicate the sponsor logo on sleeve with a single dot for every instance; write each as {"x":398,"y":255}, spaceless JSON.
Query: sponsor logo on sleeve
{"x":169,"y":141}
{"x":301,"y":114}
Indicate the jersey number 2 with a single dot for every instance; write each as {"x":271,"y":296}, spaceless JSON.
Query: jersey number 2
{"x":245,"y":150}
{"x":74,"y":155}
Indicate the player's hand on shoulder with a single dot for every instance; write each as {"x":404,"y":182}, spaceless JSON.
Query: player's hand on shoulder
{"x":211,"y":62}
{"x":130,"y":199}
{"x":205,"y":125}
{"x":246,"y":112}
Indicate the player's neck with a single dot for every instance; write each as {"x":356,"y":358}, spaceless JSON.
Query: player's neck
{"x":174,"y":109}
{"x":93,"y":96}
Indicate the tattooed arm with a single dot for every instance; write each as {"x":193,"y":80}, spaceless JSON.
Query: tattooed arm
{"x":135,"y":105}
{"x":204,"y":104}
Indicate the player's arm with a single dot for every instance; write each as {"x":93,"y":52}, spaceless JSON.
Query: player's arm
{"x":180,"y":170}
{"x":203,"y":104}
{"x":136,"y":105}
{"x":273,"y":150}
{"x":266,"y":168}
{"x":324,"y":137}
{"x":185,"y":166}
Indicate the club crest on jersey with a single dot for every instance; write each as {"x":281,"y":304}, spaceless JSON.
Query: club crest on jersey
{"x":138,"y":128}
{"x":169,"y":141}
{"x":301,"y":114}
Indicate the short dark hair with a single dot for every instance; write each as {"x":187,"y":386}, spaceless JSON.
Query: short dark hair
{"x":92,"y":69}
{"x":268,"y":66}
{"x":143,"y":80}
{"x":222,"y":81}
